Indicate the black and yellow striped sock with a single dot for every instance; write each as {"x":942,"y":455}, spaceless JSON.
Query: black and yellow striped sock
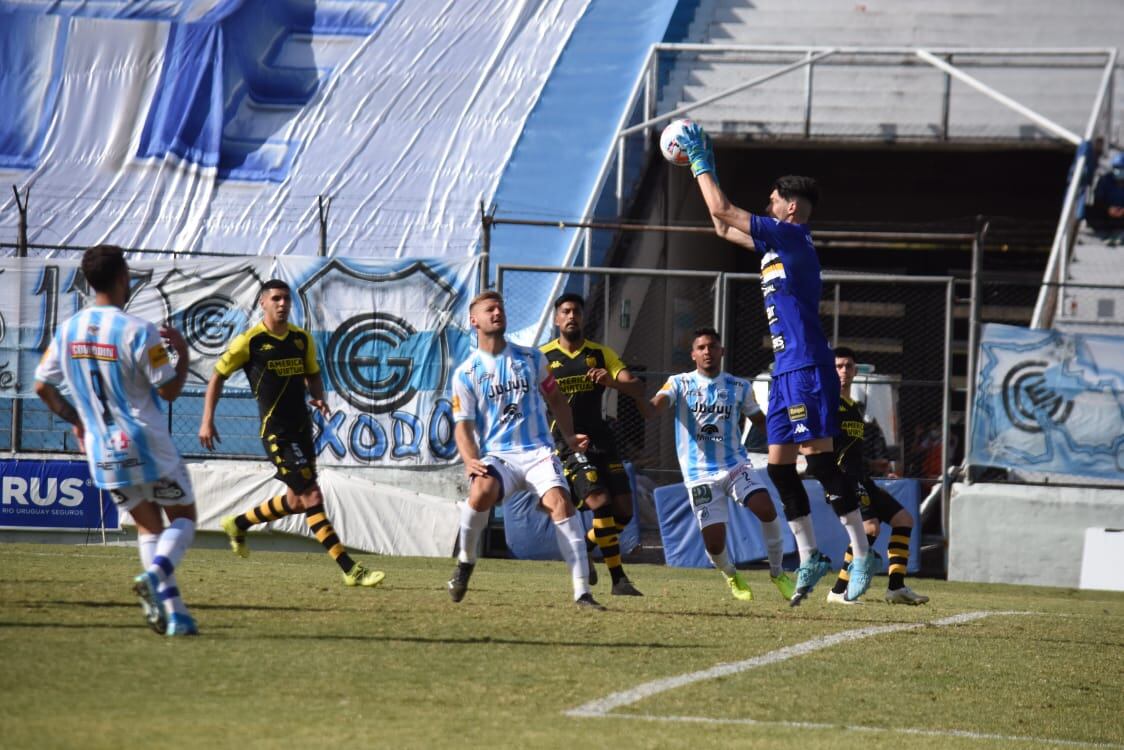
{"x":844,"y":578}
{"x":270,"y":510}
{"x":317,"y":519}
{"x":899,"y":555}
{"x":607,"y":536}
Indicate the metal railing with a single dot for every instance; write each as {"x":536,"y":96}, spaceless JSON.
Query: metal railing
{"x":1100,"y":123}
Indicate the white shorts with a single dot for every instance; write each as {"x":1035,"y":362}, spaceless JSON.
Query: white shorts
{"x":174,"y":489}
{"x":535,"y":471}
{"x":708,"y":496}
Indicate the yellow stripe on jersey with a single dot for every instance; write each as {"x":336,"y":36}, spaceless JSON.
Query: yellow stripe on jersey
{"x":772,"y":271}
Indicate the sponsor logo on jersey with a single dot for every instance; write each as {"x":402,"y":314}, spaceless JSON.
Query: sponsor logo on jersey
{"x":267,"y":347}
{"x":93,"y":350}
{"x":499,"y":390}
{"x":510,"y":413}
{"x":555,"y":364}
{"x":797,"y":412}
{"x":572,"y":384}
{"x":709,"y":432}
{"x":456,"y":403}
{"x":771,"y":314}
{"x":287,"y":367}
{"x":778,"y":343}
{"x":158,"y":356}
{"x":722,"y":410}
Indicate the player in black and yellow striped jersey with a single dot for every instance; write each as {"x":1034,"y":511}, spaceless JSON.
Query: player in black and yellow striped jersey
{"x":877,"y":505}
{"x":279,"y":360}
{"x":598,"y":481}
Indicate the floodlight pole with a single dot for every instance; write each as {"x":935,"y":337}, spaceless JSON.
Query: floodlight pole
{"x":323,"y":206}
{"x":21,"y":206}
{"x":21,"y":252}
{"x":487,"y":221}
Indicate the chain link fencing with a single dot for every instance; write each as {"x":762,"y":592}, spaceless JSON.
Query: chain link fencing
{"x":901,"y":329}
{"x":26,"y":424}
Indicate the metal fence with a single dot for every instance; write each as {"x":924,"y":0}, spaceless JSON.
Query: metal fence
{"x":26,"y":424}
{"x":901,"y":328}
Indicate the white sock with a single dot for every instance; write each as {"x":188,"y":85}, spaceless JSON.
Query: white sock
{"x":170,"y":549}
{"x":146,"y":545}
{"x":169,"y":594}
{"x":853,"y":523}
{"x":173,"y":542}
{"x":473,"y":523}
{"x":774,"y":543}
{"x":571,"y":543}
{"x":805,"y":535}
{"x":721,"y":561}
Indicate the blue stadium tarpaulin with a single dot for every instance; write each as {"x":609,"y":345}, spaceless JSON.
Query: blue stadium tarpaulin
{"x":214,"y":125}
{"x":1049,"y":402}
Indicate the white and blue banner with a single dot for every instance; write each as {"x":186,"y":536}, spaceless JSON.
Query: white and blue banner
{"x":214,"y":125}
{"x":388,"y":333}
{"x":53,"y":495}
{"x":1049,"y":402}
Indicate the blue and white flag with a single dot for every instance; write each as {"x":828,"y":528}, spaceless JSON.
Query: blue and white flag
{"x":389,"y":334}
{"x":1049,"y":402}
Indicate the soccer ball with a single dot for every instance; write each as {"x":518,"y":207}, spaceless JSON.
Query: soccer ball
{"x":670,"y":147}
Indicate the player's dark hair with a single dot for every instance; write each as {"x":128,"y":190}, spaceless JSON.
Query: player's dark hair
{"x":102,"y":265}
{"x":274,"y":284}
{"x":796,"y":186}
{"x":845,"y":351}
{"x":574,"y":297}
{"x":706,"y":331}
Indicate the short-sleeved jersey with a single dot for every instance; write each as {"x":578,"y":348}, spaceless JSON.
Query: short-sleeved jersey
{"x":849,"y":442}
{"x":275,"y":367}
{"x":502,"y":395}
{"x":791,"y":285}
{"x":860,"y":439}
{"x":707,"y":431}
{"x":585,"y":396}
{"x":111,"y":363}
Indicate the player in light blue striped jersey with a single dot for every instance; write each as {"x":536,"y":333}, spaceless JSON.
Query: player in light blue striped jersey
{"x":500,"y":396}
{"x":708,"y":405}
{"x":112,"y":364}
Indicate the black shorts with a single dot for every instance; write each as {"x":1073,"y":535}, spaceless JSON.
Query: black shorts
{"x":294,"y":459}
{"x":601,"y":472}
{"x":876,"y":503}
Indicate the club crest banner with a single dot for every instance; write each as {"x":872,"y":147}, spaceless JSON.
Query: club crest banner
{"x":388,"y":335}
{"x":1049,"y":402}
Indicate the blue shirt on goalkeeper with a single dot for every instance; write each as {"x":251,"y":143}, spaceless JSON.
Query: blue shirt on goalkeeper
{"x":791,"y":286}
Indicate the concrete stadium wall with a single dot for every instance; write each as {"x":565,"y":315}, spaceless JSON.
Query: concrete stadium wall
{"x":1025,"y":534}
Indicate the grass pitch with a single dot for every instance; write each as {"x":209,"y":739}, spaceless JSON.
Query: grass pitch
{"x":289,"y":657}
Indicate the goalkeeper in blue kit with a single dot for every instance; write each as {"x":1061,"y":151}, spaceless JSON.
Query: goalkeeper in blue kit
{"x":802,"y":415}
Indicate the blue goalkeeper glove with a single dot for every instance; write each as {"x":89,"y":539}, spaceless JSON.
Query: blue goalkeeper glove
{"x":696,"y":143}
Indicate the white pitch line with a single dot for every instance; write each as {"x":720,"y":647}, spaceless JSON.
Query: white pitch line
{"x":602,"y":707}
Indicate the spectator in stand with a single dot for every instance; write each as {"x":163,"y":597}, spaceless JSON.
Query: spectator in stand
{"x":1106,"y":212}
